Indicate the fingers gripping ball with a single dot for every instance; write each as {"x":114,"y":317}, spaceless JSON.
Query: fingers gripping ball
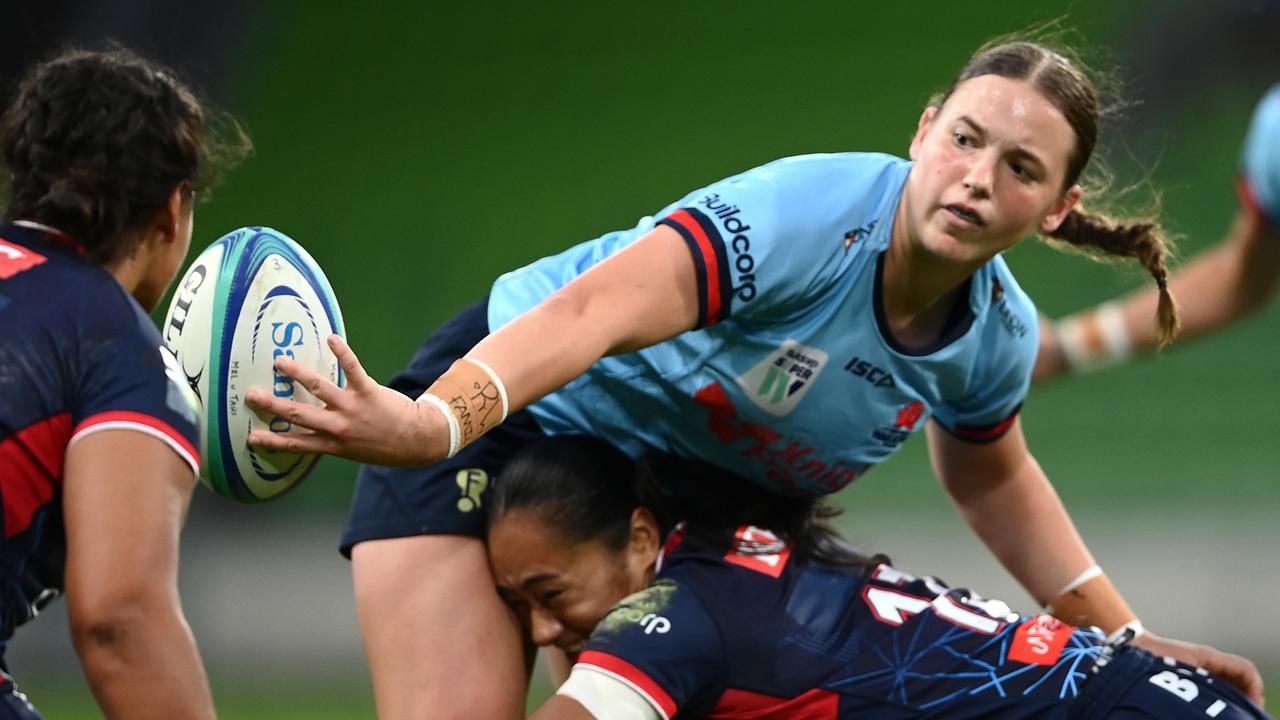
{"x":1260,"y":159}
{"x":253,"y":296}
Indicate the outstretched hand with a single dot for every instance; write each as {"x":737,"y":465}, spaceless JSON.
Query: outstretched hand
{"x":1234,"y":669}
{"x":364,"y":421}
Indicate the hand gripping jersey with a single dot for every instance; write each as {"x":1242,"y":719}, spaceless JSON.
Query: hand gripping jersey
{"x":77,"y":355}
{"x":792,"y":378}
{"x":755,"y":632}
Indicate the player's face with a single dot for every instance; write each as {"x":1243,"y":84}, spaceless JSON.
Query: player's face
{"x":561,"y":589}
{"x":990,"y":167}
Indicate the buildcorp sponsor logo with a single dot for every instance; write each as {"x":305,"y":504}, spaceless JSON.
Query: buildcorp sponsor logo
{"x":736,"y":229}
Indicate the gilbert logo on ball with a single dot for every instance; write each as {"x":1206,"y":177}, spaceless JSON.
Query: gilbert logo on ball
{"x":252,"y":296}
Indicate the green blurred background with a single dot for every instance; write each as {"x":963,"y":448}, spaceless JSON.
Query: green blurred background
{"x":419,"y":149}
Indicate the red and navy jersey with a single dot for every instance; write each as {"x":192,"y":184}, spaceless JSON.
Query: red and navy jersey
{"x":756,"y":632}
{"x":77,"y":355}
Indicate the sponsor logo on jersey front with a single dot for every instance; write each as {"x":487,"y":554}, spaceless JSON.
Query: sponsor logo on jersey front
{"x":778,"y":382}
{"x":790,"y":464}
{"x":472,"y":482}
{"x":1040,"y":640}
{"x":870,"y":372}
{"x":856,"y":235}
{"x":904,"y":423}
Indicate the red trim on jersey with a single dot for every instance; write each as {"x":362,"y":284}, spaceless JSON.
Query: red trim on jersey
{"x":632,"y":674}
{"x":709,"y":258}
{"x":984,"y":433}
{"x":816,"y":704}
{"x":137,"y":418}
{"x":16,"y":258}
{"x":1249,"y":198}
{"x":32,"y":460}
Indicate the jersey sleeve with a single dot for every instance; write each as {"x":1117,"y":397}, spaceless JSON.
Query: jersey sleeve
{"x":128,"y":380}
{"x":663,"y":643}
{"x":1002,"y":371}
{"x":769,"y":241}
{"x":1260,"y":159}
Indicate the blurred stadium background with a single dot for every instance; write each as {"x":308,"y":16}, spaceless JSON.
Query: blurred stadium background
{"x":419,"y":149}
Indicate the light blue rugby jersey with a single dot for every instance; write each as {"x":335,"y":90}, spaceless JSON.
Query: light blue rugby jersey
{"x":791,"y":378}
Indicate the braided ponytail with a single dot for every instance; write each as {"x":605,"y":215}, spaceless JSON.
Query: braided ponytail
{"x":1097,"y":234}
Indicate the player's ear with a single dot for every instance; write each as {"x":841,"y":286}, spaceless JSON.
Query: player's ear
{"x":921,"y":128}
{"x":168,"y":218}
{"x":642,"y":546}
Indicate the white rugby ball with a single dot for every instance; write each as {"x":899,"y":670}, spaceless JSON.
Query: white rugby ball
{"x":250,"y":297}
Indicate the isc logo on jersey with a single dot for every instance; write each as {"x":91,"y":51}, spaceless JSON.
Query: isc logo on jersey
{"x":779,"y":381}
{"x":253,"y":296}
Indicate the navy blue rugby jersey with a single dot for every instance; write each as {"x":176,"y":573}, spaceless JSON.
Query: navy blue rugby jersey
{"x":792,"y":378}
{"x":77,"y":355}
{"x":754,"y":632}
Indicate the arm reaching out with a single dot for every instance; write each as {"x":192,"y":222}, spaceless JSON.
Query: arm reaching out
{"x":1220,"y":286}
{"x":640,"y":296}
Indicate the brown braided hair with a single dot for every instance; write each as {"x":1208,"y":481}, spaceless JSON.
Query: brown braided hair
{"x":95,"y":142}
{"x":1061,"y":78}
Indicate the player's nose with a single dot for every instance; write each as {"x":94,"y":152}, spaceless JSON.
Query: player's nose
{"x":544,"y":628}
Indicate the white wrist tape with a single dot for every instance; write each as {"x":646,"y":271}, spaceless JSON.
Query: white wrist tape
{"x":1088,"y":574}
{"x":497,"y":382}
{"x":1134,"y":626}
{"x":1096,"y":339}
{"x":455,"y":431}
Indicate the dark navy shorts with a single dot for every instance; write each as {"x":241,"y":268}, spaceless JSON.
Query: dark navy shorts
{"x":1136,"y":685}
{"x":13,"y":704}
{"x":446,"y":498}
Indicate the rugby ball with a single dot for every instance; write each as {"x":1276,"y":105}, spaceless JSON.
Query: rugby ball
{"x":250,"y":297}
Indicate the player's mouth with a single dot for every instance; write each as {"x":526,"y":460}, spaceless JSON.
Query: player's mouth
{"x":965,"y":215}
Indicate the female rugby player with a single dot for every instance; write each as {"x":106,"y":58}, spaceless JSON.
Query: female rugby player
{"x":104,"y":154}
{"x":795,"y":324}
{"x":753,"y":607}
{"x":1229,"y":281}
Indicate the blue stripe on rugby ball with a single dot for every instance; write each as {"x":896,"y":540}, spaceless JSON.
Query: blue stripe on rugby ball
{"x":246,"y":251}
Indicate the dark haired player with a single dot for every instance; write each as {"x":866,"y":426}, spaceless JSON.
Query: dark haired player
{"x":105,"y":152}
{"x":729,"y":619}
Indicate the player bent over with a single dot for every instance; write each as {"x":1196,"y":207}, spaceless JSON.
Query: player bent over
{"x":716,"y":616}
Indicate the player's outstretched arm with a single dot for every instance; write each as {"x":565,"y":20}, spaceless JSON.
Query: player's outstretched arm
{"x":1217,"y":287}
{"x":1225,"y":283}
{"x":640,"y":296}
{"x":125,"y":496}
{"x":1012,"y":507}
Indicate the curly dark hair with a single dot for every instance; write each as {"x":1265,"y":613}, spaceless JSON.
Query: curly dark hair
{"x":96,"y":141}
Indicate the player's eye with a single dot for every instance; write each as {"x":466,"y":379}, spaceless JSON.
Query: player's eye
{"x":962,"y":139}
{"x":1022,"y":172}
{"x":549,"y":597}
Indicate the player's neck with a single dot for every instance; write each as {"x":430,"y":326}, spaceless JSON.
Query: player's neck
{"x":920,"y":291}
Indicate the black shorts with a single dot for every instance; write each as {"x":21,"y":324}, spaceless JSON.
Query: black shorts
{"x":446,"y":498}
{"x":13,"y":704}
{"x":1136,"y":685}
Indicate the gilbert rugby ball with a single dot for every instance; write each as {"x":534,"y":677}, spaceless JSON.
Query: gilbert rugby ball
{"x":250,"y":297}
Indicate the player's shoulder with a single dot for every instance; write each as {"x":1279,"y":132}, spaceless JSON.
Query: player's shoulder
{"x":840,"y":176}
{"x":63,"y":292}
